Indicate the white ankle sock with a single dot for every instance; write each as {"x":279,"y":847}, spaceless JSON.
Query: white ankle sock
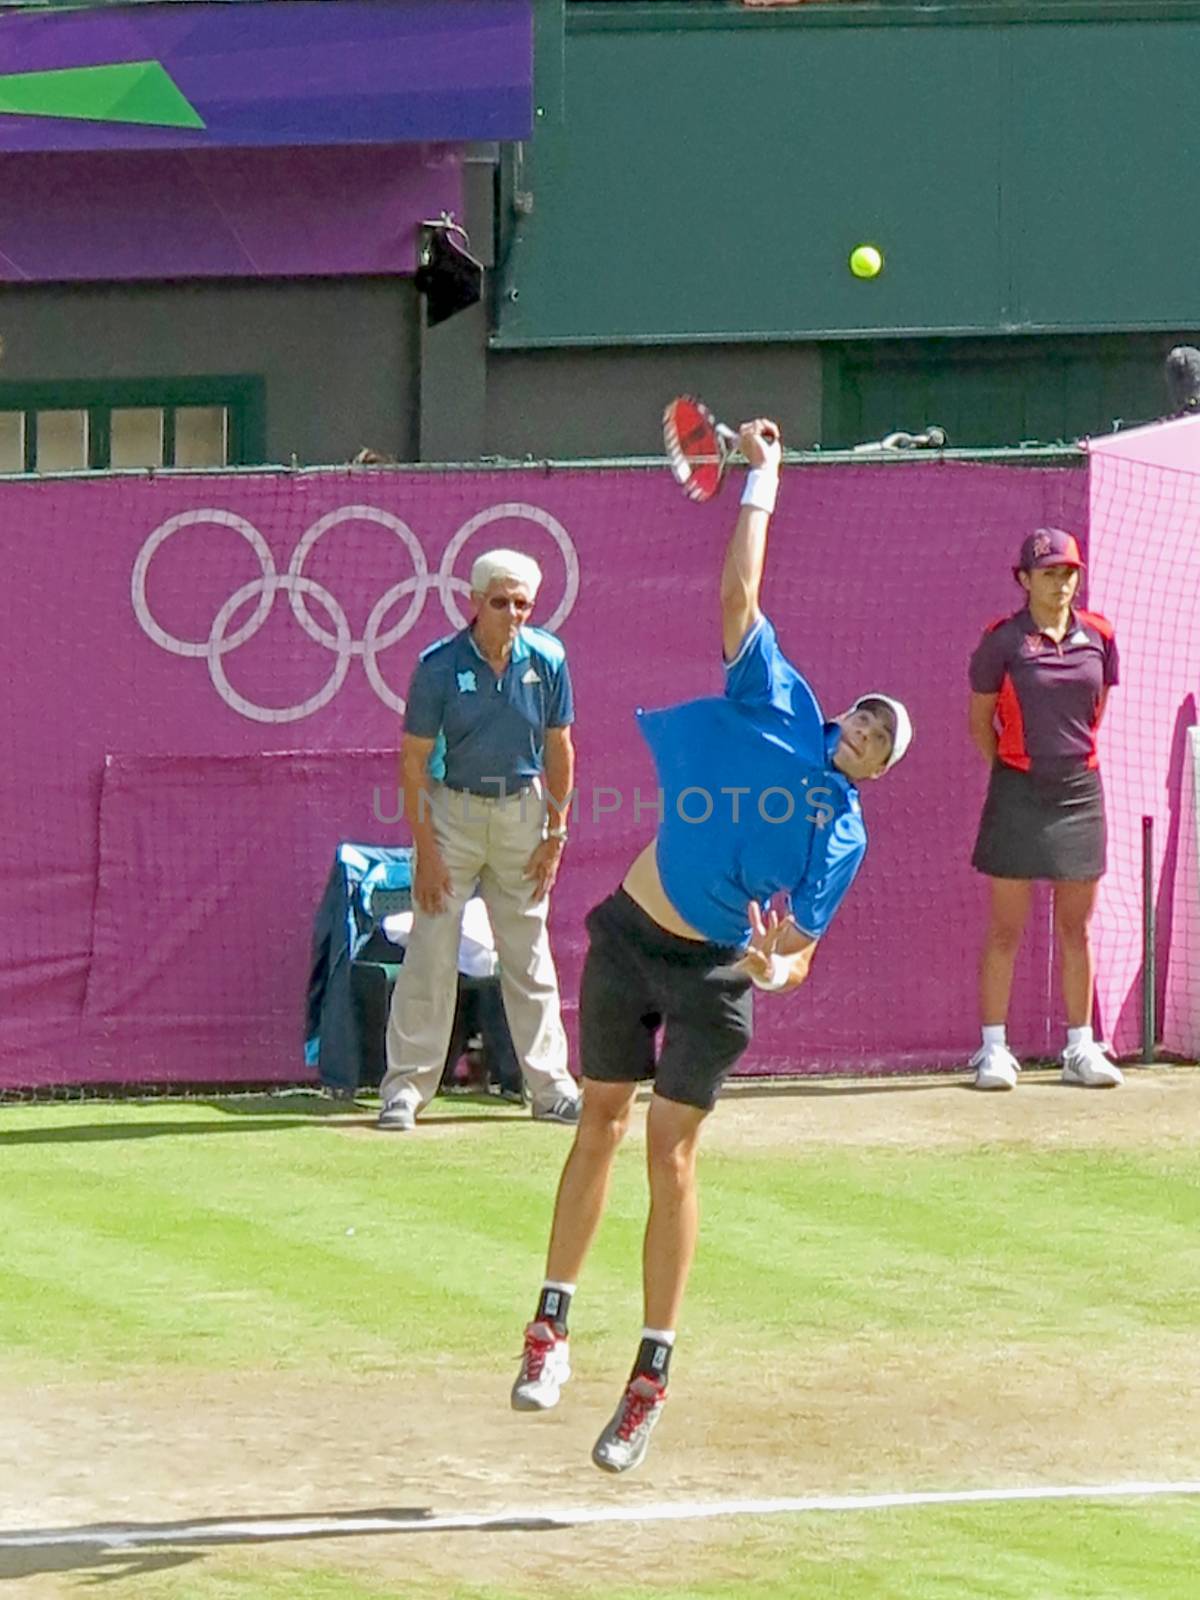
{"x":994,"y":1033}
{"x":659,"y":1335}
{"x":1078,"y":1036}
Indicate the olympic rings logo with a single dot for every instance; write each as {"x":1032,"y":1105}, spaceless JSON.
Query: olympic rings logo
{"x":299,"y":589}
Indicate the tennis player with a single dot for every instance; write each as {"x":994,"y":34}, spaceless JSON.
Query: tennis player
{"x":760,"y":799}
{"x":1039,"y":682}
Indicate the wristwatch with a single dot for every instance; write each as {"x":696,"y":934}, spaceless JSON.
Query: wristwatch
{"x":557,"y":833}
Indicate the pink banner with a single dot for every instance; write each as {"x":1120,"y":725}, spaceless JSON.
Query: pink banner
{"x":206,"y":688}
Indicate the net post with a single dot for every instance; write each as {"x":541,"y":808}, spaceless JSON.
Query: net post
{"x":1149,"y":1029}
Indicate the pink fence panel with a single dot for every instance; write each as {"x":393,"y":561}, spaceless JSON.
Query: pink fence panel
{"x":1144,"y":561}
{"x":206,"y":689}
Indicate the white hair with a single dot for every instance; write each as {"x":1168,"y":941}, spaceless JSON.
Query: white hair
{"x":511,"y":564}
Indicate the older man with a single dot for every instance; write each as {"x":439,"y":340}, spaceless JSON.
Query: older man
{"x":487,"y":769}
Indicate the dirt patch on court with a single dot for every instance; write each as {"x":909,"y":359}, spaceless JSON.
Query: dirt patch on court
{"x":1157,"y":1106}
{"x":866,"y":1418}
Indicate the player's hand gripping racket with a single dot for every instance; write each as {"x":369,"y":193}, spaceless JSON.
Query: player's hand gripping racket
{"x":699,"y":447}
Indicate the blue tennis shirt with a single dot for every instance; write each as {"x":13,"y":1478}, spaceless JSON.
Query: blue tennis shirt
{"x":752,"y":805}
{"x":492,"y":729}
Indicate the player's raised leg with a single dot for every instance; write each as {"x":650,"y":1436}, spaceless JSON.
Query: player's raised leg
{"x":672,"y":1144}
{"x":616,"y":1041}
{"x":578,"y":1207}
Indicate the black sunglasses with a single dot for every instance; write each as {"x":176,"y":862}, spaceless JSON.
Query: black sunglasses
{"x":505,"y":602}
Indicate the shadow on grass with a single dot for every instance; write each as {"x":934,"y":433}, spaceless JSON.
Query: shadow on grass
{"x":137,"y":1548}
{"x":266,"y":1114}
{"x":106,"y":1132}
{"x":136,"y":1118}
{"x":810,"y":1089}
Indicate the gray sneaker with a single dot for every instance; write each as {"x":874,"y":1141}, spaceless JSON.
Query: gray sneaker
{"x":397,"y":1117}
{"x":564,"y":1109}
{"x":622,"y":1445}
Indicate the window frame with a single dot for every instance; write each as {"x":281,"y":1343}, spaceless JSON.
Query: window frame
{"x":243,"y":396}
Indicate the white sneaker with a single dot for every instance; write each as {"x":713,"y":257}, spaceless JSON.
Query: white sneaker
{"x":545,"y":1367}
{"x":397,"y":1117}
{"x":995,"y":1067}
{"x":1088,"y":1067}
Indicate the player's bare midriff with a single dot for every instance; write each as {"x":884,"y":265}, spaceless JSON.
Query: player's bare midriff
{"x":643,"y":884}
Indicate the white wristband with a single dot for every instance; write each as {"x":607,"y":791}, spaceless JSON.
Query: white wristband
{"x":778,"y":978}
{"x":762,"y":486}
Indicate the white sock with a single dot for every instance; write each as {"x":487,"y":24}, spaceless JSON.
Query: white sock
{"x":659,"y":1335}
{"x":994,"y":1033}
{"x":553,"y":1283}
{"x":1078,"y":1036}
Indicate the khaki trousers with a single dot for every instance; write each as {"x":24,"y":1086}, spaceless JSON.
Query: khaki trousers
{"x":484,"y":842}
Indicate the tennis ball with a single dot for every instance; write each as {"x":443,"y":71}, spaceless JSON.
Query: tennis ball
{"x":866,"y":261}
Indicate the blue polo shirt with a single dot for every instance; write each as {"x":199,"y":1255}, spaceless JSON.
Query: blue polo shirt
{"x":490,"y":730}
{"x":752,"y":804}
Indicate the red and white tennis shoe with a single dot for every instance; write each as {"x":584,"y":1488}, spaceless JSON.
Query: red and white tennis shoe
{"x":545,"y":1367}
{"x":622,"y":1446}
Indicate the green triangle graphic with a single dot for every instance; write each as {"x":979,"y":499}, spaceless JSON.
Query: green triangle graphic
{"x":128,"y":91}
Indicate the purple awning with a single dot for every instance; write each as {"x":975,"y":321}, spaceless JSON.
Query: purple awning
{"x":112,"y":217}
{"x":276,"y":73}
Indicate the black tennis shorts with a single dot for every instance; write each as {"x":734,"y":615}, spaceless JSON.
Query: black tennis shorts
{"x":1043,"y":826}
{"x":638,"y":977}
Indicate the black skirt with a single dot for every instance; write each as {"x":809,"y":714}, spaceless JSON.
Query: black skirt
{"x":1042,"y":826}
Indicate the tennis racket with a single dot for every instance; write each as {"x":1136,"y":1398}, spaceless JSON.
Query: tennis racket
{"x":699,"y":447}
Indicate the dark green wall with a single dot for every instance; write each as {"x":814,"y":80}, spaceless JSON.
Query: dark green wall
{"x":987,"y":392}
{"x":714,"y":166}
{"x":605,"y":402}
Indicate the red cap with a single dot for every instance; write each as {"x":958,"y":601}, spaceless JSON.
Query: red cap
{"x":1048,"y":547}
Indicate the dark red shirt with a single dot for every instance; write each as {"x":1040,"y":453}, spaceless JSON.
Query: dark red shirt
{"x":1049,"y":693}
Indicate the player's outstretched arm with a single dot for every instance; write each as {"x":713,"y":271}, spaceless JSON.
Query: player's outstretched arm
{"x":741,"y":576}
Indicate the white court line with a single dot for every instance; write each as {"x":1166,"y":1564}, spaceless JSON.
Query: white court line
{"x":289,"y":1527}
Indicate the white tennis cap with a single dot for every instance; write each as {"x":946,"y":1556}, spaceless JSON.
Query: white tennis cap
{"x":904,"y":729}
